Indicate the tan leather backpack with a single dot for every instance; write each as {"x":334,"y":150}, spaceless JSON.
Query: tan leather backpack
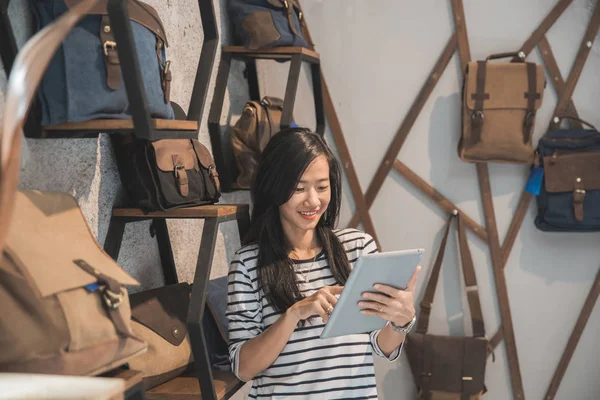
{"x":500,"y":101}
{"x":251,"y":133}
{"x":64,"y":308}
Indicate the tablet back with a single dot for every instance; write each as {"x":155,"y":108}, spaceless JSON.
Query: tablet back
{"x":393,"y":268}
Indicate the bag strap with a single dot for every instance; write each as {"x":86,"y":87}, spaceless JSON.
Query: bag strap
{"x":479,"y":96}
{"x":427,"y":300}
{"x":469,"y":276}
{"x":582,"y":55}
{"x":27,"y":71}
{"x":470,"y":280}
{"x":531,"y":95}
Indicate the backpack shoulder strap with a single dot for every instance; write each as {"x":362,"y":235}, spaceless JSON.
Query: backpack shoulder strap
{"x":27,"y":71}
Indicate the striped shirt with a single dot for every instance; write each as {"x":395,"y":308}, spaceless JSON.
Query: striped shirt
{"x":308,"y":367}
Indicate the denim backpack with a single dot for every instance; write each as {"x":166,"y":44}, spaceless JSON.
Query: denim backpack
{"x":267,"y":23}
{"x":569,"y":196}
{"x":84,"y":81}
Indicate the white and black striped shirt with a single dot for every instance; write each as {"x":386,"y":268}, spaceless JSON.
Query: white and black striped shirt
{"x":308,"y":367}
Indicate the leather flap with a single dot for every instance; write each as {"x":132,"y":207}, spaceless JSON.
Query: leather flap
{"x":506,"y":85}
{"x":172,"y":152}
{"x":48,"y":233}
{"x":448,"y":359}
{"x":562,"y":171}
{"x":163,"y":310}
{"x":139,"y":12}
{"x":203,"y":154}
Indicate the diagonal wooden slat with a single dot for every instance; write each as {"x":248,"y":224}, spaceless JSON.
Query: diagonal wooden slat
{"x":407,"y":123}
{"x":344,"y":153}
{"x":492,"y":230}
{"x":544,"y":26}
{"x":438,"y":198}
{"x":584,"y":316}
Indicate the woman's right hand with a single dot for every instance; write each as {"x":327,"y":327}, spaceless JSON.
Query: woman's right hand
{"x":320,"y":303}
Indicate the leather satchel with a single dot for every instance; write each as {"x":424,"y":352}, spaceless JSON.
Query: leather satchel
{"x":84,"y":81}
{"x":449,"y":367}
{"x":65,"y":309}
{"x":569,"y":198}
{"x":499,"y":103}
{"x":267,"y":23}
{"x":166,"y":174}
{"x":251,"y":133}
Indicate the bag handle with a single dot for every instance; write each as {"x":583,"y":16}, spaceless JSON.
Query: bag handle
{"x":26,"y":74}
{"x":561,"y":117}
{"x":515,"y":54}
{"x":469,"y":278}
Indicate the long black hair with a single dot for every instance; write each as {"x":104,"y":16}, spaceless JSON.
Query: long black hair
{"x":282,"y":163}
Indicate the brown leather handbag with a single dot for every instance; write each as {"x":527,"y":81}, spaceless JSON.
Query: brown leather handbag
{"x":64,"y":306}
{"x":499,"y":103}
{"x":449,"y":367}
{"x":251,"y":133}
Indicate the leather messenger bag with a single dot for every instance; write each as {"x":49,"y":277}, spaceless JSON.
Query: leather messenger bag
{"x":449,"y":367}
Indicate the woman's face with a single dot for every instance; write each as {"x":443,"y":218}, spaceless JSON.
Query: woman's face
{"x":309,"y":200}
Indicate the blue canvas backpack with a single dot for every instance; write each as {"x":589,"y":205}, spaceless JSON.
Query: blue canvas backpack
{"x":84,"y":81}
{"x":262,"y":24}
{"x":569,"y":196}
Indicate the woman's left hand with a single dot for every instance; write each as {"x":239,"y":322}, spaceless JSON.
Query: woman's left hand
{"x":391,"y":304}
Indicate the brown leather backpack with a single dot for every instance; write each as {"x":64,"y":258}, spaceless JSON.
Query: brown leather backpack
{"x":64,"y":308}
{"x":251,"y":133}
{"x":500,"y":101}
{"x":449,"y":367}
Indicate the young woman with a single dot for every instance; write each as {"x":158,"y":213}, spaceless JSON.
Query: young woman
{"x":283,"y":284}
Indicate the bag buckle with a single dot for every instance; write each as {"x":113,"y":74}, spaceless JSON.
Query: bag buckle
{"x":177,"y":168}
{"x":477,"y":115}
{"x":108,"y":44}
{"x":111,"y":299}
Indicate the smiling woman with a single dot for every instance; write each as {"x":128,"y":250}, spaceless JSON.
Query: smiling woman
{"x":283,"y":283}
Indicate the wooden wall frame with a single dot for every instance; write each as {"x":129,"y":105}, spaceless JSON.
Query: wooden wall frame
{"x":499,"y":252}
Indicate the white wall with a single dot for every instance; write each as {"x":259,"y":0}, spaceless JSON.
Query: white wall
{"x":375,"y":57}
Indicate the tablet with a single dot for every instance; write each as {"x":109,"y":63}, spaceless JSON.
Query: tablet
{"x":393,"y":268}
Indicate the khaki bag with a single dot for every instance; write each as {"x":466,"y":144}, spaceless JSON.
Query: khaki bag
{"x":499,"y":102}
{"x":64,"y":308}
{"x":251,"y":133}
{"x":449,"y":367}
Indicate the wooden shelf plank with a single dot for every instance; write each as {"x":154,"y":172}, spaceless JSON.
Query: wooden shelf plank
{"x":273,"y":53}
{"x":208,"y":211}
{"x":130,"y":376}
{"x":186,"y":387}
{"x":117,"y":125}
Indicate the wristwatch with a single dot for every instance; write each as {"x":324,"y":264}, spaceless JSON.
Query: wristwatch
{"x":405,"y":328}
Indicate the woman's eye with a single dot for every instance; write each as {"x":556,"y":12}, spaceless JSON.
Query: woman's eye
{"x":323,"y":188}
{"x":299,"y":190}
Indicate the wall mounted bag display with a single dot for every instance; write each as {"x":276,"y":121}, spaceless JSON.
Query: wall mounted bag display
{"x":499,"y":103}
{"x":65,"y":309}
{"x":568,"y":170}
{"x":251,"y":133}
{"x":166,"y":174}
{"x":267,"y":23}
{"x":83,"y":81}
{"x":449,"y":367}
